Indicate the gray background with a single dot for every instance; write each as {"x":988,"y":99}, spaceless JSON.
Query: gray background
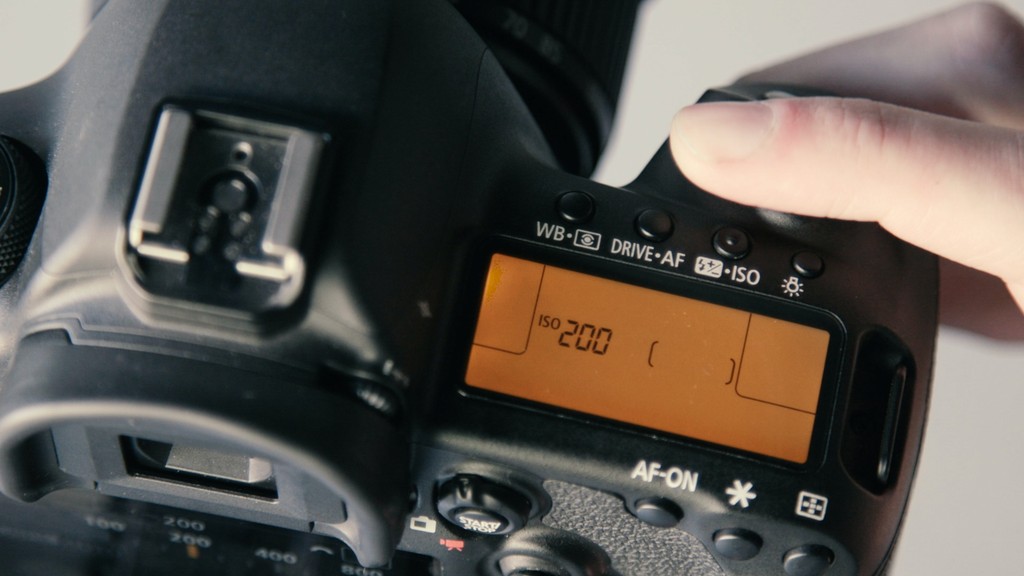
{"x":970,"y":489}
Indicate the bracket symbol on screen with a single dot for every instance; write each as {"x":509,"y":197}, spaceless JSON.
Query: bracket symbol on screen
{"x":732,"y":371}
{"x":650,"y":357}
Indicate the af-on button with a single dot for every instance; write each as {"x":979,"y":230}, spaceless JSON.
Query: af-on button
{"x":658,"y":512}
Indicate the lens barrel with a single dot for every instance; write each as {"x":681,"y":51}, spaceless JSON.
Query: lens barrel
{"x":567,"y":59}
{"x":22,"y":188}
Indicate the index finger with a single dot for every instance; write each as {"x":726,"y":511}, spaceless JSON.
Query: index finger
{"x":950,"y":186}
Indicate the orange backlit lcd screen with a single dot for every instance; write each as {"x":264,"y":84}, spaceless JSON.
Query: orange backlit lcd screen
{"x":648,"y":358}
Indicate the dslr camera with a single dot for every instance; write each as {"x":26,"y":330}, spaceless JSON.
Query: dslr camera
{"x":321,"y":287}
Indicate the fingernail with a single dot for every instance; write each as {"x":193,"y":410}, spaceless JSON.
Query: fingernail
{"x":718,"y":131}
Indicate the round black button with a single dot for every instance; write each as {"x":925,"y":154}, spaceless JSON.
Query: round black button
{"x":808,"y":264}
{"x":659,"y":512}
{"x":576,"y":207}
{"x":737,"y":543}
{"x":731,"y":243}
{"x":479,"y":505}
{"x":811,"y":560}
{"x":655,"y":225}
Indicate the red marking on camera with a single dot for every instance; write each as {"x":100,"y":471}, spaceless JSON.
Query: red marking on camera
{"x":453,"y":545}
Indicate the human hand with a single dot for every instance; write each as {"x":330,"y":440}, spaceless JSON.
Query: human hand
{"x":941,"y":164}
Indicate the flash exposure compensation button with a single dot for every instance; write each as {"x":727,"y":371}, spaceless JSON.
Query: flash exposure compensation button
{"x":576,"y":207}
{"x":731,"y":243}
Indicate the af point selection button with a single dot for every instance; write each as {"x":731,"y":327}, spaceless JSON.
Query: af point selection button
{"x":811,"y":560}
{"x":479,"y":505}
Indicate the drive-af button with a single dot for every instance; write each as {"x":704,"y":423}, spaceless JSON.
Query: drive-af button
{"x":478,"y":505}
{"x":655,"y":225}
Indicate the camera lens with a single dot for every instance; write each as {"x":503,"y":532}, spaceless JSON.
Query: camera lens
{"x":21,"y":199}
{"x":567,"y":59}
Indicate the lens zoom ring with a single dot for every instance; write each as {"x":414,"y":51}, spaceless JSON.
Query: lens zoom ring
{"x":598,"y":32}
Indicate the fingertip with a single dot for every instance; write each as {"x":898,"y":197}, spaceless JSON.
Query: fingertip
{"x":781,"y":154}
{"x":717,"y":132}
{"x":949,"y":186}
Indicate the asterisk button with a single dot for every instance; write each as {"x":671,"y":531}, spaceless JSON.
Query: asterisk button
{"x":741,"y":493}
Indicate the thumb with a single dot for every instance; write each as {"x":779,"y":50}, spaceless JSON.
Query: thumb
{"x":953,"y":187}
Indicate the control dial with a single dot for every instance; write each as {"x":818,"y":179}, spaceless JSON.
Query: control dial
{"x":22,"y":188}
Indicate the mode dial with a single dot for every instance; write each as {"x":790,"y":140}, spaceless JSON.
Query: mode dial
{"x":22,"y":188}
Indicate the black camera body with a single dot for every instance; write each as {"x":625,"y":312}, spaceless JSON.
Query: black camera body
{"x":311,"y":294}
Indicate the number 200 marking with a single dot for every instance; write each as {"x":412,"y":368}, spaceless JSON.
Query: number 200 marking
{"x":189,"y":539}
{"x":184,"y":523}
{"x":589,"y":338}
